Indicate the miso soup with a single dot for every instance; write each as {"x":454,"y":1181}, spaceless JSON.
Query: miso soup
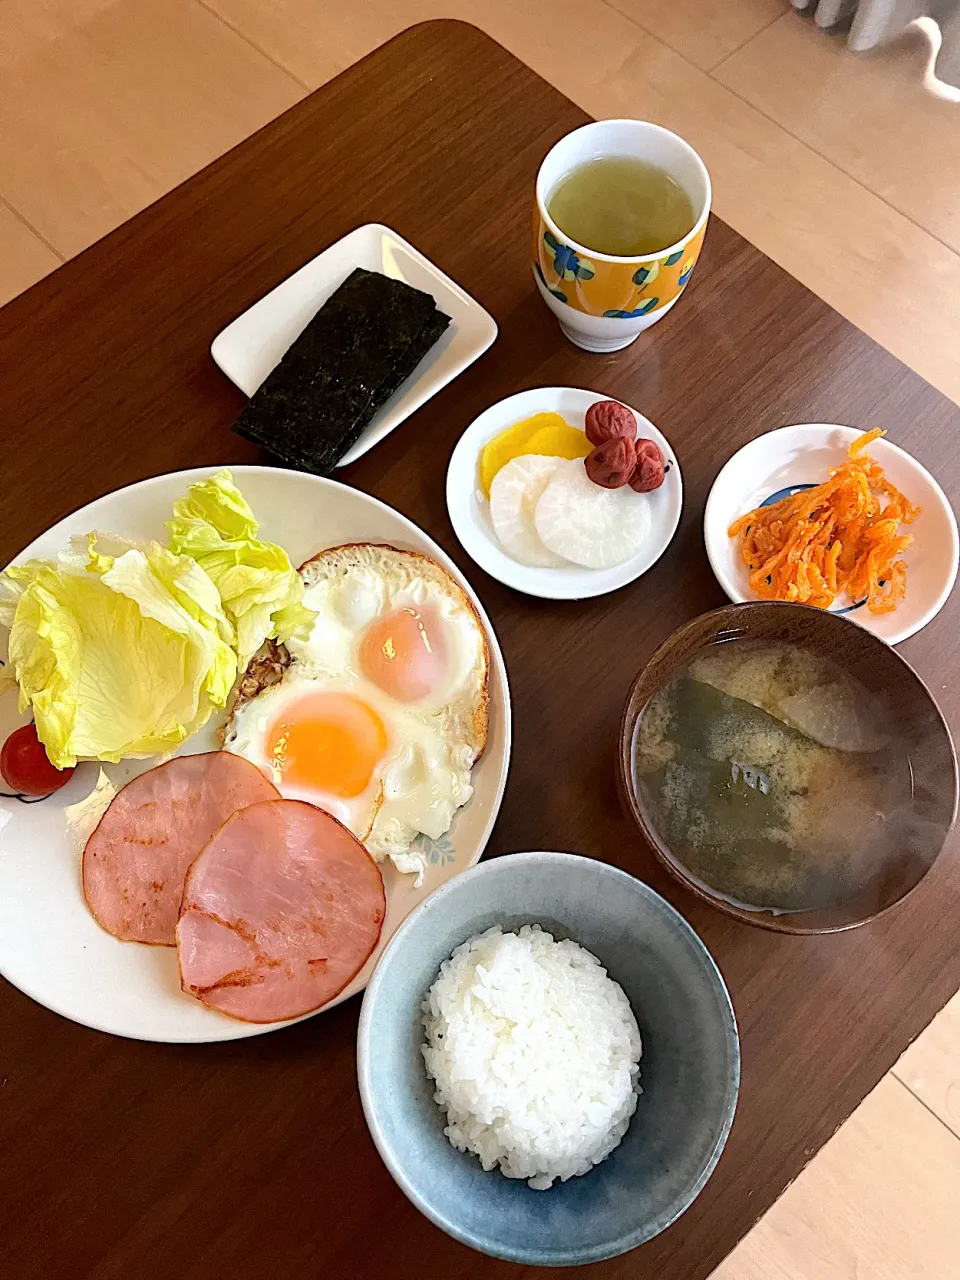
{"x":774,"y":778}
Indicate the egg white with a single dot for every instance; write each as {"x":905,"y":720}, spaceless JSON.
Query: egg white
{"x":433,"y":743}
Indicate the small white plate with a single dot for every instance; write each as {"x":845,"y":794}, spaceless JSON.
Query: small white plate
{"x":780,"y":462}
{"x":470,"y":511}
{"x":50,"y":945}
{"x":251,"y":347}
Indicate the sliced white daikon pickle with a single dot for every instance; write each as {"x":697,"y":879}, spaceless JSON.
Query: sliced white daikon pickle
{"x":593,"y":527}
{"x":514,"y":494}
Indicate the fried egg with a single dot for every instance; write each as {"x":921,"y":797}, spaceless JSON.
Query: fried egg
{"x":382,"y":711}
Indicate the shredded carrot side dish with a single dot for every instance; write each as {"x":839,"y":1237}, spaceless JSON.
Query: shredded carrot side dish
{"x":840,"y":536}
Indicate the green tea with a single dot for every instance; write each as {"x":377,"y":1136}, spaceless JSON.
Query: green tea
{"x":621,"y":206}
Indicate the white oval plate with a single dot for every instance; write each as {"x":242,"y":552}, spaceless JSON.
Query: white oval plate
{"x":470,"y":511}
{"x":782,"y":461}
{"x":50,"y":945}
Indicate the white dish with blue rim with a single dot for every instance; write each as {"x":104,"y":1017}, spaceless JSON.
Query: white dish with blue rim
{"x":782,"y":462}
{"x":251,"y":346}
{"x":469,"y":508}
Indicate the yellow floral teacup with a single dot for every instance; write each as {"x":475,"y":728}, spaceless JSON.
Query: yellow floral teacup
{"x":603,"y":302}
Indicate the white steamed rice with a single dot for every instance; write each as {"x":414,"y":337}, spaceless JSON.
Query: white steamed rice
{"x":534,"y":1051}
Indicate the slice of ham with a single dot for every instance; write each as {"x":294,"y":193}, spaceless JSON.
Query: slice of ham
{"x":280,"y":911}
{"x":136,"y":859}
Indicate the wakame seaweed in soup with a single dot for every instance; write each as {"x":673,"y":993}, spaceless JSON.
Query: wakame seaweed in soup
{"x":773,"y":777}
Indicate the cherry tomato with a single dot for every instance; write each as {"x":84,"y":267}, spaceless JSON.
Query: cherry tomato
{"x":25,"y":767}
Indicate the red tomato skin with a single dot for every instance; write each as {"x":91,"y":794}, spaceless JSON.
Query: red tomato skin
{"x":25,"y":767}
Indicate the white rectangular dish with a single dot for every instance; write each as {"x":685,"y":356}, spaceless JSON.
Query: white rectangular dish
{"x":251,"y":347}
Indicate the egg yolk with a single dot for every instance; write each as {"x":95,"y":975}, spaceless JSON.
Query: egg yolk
{"x":403,"y":653}
{"x":328,"y":742}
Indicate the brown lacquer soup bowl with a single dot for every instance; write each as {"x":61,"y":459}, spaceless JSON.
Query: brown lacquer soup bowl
{"x":787,"y":766}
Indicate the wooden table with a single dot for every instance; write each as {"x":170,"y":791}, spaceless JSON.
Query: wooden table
{"x":245,"y":1159}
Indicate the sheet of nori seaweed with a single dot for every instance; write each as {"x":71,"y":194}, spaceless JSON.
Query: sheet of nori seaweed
{"x":365,"y":340}
{"x":433,"y":331}
{"x":322,"y":390}
{"x":292,"y":455}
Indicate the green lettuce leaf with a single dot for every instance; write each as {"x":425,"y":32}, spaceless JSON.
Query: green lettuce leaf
{"x":260,"y":589}
{"x":124,"y":649}
{"x":116,"y":655}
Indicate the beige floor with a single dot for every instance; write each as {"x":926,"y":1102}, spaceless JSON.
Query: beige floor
{"x":845,"y":170}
